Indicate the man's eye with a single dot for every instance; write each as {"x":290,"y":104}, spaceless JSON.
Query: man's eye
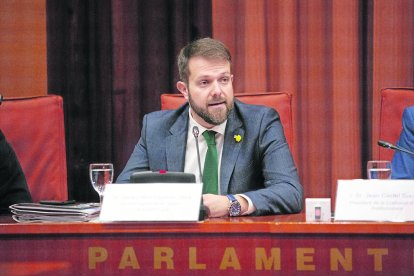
{"x":203,"y":83}
{"x":225,"y":80}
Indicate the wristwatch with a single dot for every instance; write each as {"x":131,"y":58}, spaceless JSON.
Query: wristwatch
{"x":234,"y":206}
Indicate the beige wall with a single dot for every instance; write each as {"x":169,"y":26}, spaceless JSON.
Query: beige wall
{"x":23,"y":63}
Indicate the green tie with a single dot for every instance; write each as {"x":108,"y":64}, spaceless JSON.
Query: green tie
{"x":210,"y":173}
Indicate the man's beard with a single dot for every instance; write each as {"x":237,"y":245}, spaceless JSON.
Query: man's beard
{"x":215,"y":118}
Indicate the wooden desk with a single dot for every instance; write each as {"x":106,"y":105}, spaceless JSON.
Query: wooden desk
{"x":249,"y":245}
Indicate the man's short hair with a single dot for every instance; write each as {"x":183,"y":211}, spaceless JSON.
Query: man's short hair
{"x":205,"y":47}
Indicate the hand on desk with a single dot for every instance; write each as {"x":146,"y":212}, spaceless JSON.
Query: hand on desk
{"x":218,"y":205}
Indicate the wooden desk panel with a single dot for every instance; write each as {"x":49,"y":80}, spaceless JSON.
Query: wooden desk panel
{"x":259,"y":245}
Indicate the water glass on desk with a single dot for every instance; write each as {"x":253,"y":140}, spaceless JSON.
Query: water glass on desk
{"x":101,"y":174}
{"x":379,"y":169}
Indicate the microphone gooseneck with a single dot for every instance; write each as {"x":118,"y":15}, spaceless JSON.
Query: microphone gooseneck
{"x":388,"y":145}
{"x":203,"y":211}
{"x":196,"y":132}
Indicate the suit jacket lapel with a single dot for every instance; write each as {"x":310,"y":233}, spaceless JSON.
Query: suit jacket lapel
{"x":176,"y":143}
{"x":231,"y":150}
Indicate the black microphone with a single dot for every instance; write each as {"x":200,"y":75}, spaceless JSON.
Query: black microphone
{"x":388,"y":145}
{"x":196,"y":132}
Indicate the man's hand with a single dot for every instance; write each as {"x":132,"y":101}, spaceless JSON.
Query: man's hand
{"x":218,"y":205}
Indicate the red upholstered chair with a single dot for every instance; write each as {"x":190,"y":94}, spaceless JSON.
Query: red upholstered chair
{"x":393,"y":103}
{"x":280,"y":101}
{"x":34,"y":126}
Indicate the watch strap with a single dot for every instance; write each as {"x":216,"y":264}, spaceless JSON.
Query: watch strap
{"x":231,"y":197}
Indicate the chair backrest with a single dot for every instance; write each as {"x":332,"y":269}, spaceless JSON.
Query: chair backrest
{"x":34,"y":126}
{"x":280,"y":101}
{"x":393,"y":103}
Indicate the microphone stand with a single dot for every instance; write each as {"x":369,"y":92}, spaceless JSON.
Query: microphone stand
{"x":203,"y":212}
{"x":196,"y":133}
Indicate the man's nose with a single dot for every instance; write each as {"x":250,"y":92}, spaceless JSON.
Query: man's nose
{"x":217,"y":89}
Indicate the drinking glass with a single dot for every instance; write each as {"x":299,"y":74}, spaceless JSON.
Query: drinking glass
{"x":101,"y":174}
{"x":379,"y":169}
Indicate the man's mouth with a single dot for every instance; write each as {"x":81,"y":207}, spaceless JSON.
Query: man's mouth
{"x":215,"y":104}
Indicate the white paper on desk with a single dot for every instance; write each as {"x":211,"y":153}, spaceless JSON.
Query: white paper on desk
{"x":375,"y":200}
{"x":151,"y":202}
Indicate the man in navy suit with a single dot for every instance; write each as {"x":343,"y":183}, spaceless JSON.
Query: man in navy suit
{"x":402,"y":165}
{"x":257,"y":173}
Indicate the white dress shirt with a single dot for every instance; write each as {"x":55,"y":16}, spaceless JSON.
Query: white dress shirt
{"x":191,"y":158}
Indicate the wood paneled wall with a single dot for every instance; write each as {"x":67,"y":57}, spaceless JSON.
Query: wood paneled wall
{"x":23,"y":70}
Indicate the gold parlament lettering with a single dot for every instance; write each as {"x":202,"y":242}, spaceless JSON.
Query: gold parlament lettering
{"x":265,"y":259}
{"x":192,"y":259}
{"x":377,"y":253}
{"x":163,"y":255}
{"x":267,"y":263}
{"x":129,"y":259}
{"x":344,"y":260}
{"x":96,"y":255}
{"x":304,"y":259}
{"x":230,"y":259}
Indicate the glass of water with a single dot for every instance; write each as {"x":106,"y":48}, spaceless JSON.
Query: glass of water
{"x":100,"y":175}
{"x":379,"y":169}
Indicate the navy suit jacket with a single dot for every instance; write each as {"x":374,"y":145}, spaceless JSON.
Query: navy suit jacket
{"x":260,"y":165}
{"x":402,"y":165}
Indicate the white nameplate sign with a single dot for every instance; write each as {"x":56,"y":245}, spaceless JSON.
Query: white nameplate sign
{"x":151,"y":202}
{"x":375,"y":200}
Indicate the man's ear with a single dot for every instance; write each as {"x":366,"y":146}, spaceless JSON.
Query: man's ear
{"x":182,"y":87}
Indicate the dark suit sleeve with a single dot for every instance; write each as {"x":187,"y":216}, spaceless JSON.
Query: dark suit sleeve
{"x":282,"y":192}
{"x":13,"y":186}
{"x":402,"y":165}
{"x":139,"y":157}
